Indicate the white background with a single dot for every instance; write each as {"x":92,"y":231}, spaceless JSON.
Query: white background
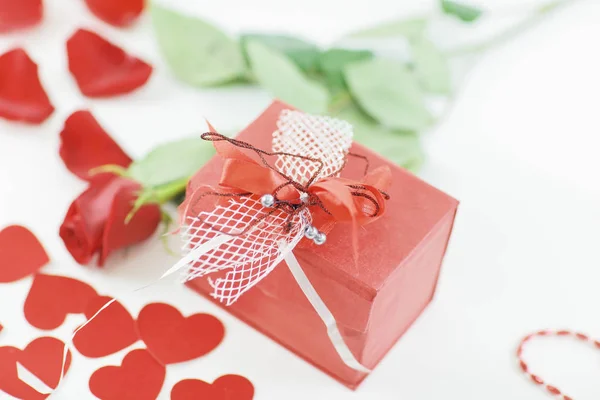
{"x":519,"y":148}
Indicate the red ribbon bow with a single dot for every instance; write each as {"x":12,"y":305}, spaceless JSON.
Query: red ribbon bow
{"x":332,"y":199}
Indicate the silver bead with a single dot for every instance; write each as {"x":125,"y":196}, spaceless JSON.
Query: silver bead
{"x":310,"y":232}
{"x":304,"y":197}
{"x":320,"y":238}
{"x":267,"y":200}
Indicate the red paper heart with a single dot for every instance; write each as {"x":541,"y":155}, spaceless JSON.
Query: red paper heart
{"x":112,"y":330}
{"x":21,"y":253}
{"x":20,"y":14}
{"x":52,"y":297}
{"x":22,"y":97}
{"x":9,"y":379}
{"x":102,"y":69}
{"x":227,"y":387}
{"x":139,"y":377}
{"x":119,"y":13}
{"x":172,"y":338}
{"x":43,"y":357}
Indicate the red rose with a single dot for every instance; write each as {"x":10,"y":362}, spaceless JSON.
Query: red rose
{"x":95,"y":222}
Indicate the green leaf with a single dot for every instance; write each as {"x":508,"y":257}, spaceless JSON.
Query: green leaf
{"x":171,"y":162}
{"x":197,"y":52}
{"x":431,"y":67}
{"x":304,"y":54}
{"x":462,"y":11}
{"x":401,"y":147}
{"x":389,"y":92}
{"x":409,"y":28}
{"x":284,"y":80}
{"x":332,"y":64}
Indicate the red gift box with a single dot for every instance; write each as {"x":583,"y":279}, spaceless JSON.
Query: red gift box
{"x":373,"y":301}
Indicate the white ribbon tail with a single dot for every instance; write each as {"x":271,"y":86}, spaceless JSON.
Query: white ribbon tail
{"x":328,"y":319}
{"x":198,"y":252}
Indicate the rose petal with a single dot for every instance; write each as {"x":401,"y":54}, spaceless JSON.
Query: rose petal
{"x":19,"y":14}
{"x":85,"y":145}
{"x":102,"y":69}
{"x":119,"y":234}
{"x":83,"y":226}
{"x":119,"y":13}
{"x":22,"y":97}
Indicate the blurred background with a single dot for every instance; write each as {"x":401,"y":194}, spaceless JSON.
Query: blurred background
{"x":515,"y":139}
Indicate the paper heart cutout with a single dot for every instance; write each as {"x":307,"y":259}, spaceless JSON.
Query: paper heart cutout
{"x":112,"y":330}
{"x":52,"y":297}
{"x":9,"y":378}
{"x":22,"y":97}
{"x":173,"y":338}
{"x":140,"y":377}
{"x":102,"y":69}
{"x":21,"y":253}
{"x":43,"y":357}
{"x":227,"y":387}
{"x":119,"y":13}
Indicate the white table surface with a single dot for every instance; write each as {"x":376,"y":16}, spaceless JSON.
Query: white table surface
{"x":519,"y":149}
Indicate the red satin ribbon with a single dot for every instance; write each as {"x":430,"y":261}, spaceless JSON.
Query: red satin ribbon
{"x":245,"y":170}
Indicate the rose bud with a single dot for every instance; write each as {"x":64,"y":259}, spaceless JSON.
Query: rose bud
{"x":121,"y":205}
{"x":96,"y":221}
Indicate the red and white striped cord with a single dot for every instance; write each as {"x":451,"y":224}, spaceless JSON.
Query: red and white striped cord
{"x":553,"y":390}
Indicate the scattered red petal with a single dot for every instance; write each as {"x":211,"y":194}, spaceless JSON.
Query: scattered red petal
{"x":117,"y":232}
{"x":120,"y":13}
{"x":173,"y":338}
{"x":102,"y":69}
{"x":112,"y":330}
{"x":228,"y":387}
{"x":85,"y":145}
{"x":21,"y":254}
{"x":139,"y":377}
{"x":43,"y":357}
{"x":20,"y":14}
{"x":52,"y":297}
{"x":22,"y":97}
